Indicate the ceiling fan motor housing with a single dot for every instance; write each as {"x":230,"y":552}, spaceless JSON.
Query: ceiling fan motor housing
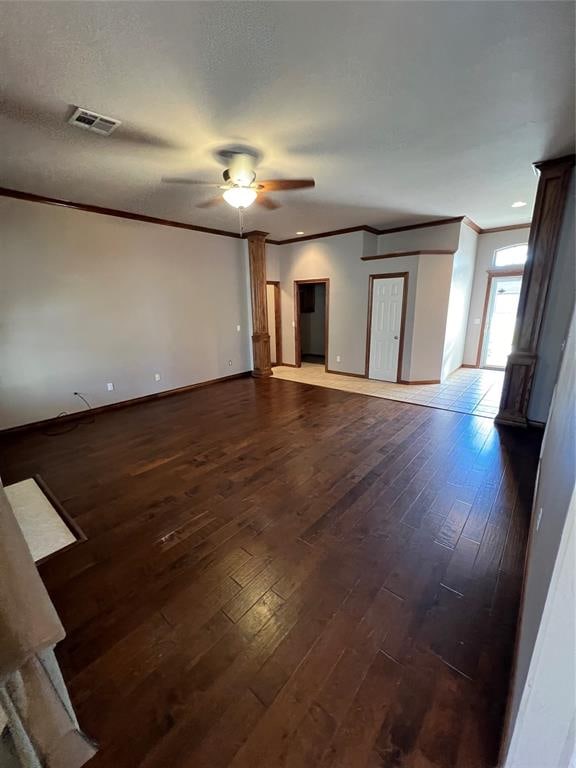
{"x":241,"y":170}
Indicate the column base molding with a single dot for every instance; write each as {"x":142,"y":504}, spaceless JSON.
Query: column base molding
{"x":261,"y":353}
{"x":516,"y":389}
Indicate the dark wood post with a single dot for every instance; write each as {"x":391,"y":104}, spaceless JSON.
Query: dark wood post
{"x":260,"y":335}
{"x":544,"y":233}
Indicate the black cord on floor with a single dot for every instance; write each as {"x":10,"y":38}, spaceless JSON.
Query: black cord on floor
{"x":76,"y":424}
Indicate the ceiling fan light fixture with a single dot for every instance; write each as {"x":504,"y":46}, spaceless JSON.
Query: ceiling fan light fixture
{"x":240,"y":197}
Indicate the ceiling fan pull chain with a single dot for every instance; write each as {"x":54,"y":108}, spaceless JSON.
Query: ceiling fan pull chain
{"x":241,"y":218}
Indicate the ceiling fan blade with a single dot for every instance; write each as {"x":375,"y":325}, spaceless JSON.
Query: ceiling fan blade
{"x":266,"y":202}
{"x":273,"y":185}
{"x":181,"y":180}
{"x":210,"y":203}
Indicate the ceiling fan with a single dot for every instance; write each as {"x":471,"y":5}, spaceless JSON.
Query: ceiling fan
{"x":240,"y":188}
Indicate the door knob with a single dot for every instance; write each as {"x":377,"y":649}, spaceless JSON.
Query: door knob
{"x":396,"y":337}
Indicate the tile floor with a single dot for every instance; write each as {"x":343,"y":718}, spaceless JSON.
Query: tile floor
{"x":467,"y":390}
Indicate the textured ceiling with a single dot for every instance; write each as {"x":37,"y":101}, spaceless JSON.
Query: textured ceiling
{"x":402,"y":111}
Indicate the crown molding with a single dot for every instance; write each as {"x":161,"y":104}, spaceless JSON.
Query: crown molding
{"x":121,"y":214}
{"x":399,"y":254}
{"x":472,"y":224}
{"x":406,"y":228}
{"x":14,"y":193}
{"x":367,"y":228}
{"x":330,"y":233}
{"x":505,"y":229}
{"x":480,"y":231}
{"x":422,"y":225}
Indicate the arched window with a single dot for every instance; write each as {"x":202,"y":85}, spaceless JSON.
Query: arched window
{"x":512,"y":255}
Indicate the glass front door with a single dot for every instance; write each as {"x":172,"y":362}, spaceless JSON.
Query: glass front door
{"x":500,"y":320}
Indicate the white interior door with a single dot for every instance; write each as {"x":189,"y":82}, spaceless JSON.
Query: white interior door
{"x":387,"y":299}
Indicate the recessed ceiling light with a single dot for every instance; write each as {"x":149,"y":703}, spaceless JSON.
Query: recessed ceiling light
{"x":299,"y":233}
{"x":519,"y":204}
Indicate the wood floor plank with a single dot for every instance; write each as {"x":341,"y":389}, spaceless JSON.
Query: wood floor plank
{"x":332,"y":703}
{"x":354,"y":739}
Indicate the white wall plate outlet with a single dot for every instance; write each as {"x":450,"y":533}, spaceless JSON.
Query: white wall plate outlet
{"x":110,"y":386}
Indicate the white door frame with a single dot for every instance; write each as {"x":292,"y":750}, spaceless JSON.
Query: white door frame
{"x":372,"y":278}
{"x":277,"y":352}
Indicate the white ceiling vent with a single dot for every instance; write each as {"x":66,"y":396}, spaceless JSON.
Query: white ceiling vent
{"x":92,"y":121}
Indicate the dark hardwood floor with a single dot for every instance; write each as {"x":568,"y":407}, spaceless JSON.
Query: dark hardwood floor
{"x":283,"y":575}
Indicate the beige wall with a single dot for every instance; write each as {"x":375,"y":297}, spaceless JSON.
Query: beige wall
{"x":273,"y":253}
{"x":338,"y":258}
{"x":545,"y":729}
{"x":443,"y":237}
{"x":487,"y":244}
{"x":432,"y":297}
{"x":459,"y":303}
{"x":88,"y":299}
{"x":543,"y":697}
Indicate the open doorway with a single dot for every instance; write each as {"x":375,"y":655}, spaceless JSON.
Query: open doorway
{"x":499,"y":320}
{"x":311,"y":321}
{"x":274,"y":321}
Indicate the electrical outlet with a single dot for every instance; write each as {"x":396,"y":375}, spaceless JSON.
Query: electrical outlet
{"x":157,"y":377}
{"x":110,"y":386}
{"x":539,"y":519}
{"x":337,"y":358}
{"x":293,"y":324}
{"x":229,"y":362}
{"x":476,"y":321}
{"x":238,"y":328}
